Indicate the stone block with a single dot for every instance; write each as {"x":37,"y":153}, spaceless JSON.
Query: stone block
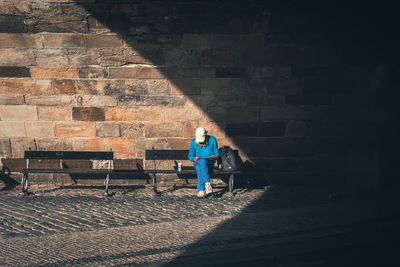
{"x":51,"y":57}
{"x":12,"y":24}
{"x":39,"y":129}
{"x":155,"y":114}
{"x":128,"y":164}
{"x":155,"y":86}
{"x":184,"y":114}
{"x":251,"y":41}
{"x":282,"y":147}
{"x":97,"y":101}
{"x":20,"y":144}
{"x":150,"y":56}
{"x":230,"y":72}
{"x":182,"y":57}
{"x":284,"y":86}
{"x":195,"y":41}
{"x":50,"y":100}
{"x":62,"y":40}
{"x":153,"y":130}
{"x":185,"y":87}
{"x":122,"y":147}
{"x":75,"y":129}
{"x":88,"y":114}
{"x":217,"y":86}
{"x":12,"y":128}
{"x":272,"y":129}
{"x":93,"y":144}
{"x":214,"y":129}
{"x":103,"y":41}
{"x":308,"y":100}
{"x":144,"y":100}
{"x":231,"y":101}
{"x":242,"y":129}
{"x":296,"y":128}
{"x":136,"y":73}
{"x":54,"y":144}
{"x":5,"y":148}
{"x":16,"y":57}
{"x":223,"y":41}
{"x":178,"y":143}
{"x":159,"y":143}
{"x":11,"y":100}
{"x":115,"y":114}
{"x":211,"y":57}
{"x":54,"y":113}
{"x":112,"y":57}
{"x":16,"y":72}
{"x":53,"y":72}
{"x":132,"y":130}
{"x":18,"y":113}
{"x":25,"y":86}
{"x":108,"y":129}
{"x":234,"y":114}
{"x":82,"y":57}
{"x":282,"y":113}
{"x":92,"y":72}
{"x":57,"y":24}
{"x":64,"y":86}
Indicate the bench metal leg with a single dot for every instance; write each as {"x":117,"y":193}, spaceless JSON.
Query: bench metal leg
{"x":231,"y":183}
{"x":154,"y":182}
{"x":107,"y":184}
{"x":24,"y":183}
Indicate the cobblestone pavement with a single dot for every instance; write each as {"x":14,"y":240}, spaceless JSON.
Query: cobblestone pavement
{"x":80,"y":227}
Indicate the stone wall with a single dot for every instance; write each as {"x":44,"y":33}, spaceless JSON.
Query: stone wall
{"x":287,"y":86}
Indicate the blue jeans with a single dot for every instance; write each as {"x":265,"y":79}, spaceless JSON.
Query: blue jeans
{"x":203,"y":168}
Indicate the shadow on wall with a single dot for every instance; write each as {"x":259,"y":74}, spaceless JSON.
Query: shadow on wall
{"x":296,"y":86}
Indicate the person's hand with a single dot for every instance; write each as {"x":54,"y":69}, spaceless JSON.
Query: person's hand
{"x":196,"y":159}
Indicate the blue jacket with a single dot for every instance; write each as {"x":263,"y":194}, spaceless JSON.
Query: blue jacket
{"x":210,"y":149}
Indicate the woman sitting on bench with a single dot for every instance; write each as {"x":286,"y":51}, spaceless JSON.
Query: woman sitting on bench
{"x":203,"y":152}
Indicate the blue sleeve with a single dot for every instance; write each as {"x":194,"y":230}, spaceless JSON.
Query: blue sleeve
{"x":215,"y":147}
{"x":192,"y":151}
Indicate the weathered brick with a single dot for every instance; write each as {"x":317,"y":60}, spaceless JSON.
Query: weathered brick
{"x":281,"y":113}
{"x":116,"y":114}
{"x":25,"y":86}
{"x":16,"y":57}
{"x":18,"y":113}
{"x":102,"y":41}
{"x":195,"y":41}
{"x":272,"y":129}
{"x":64,"y":87}
{"x":62,"y":40}
{"x":132,"y":129}
{"x":242,"y":129}
{"x":54,"y":113}
{"x":12,"y":128}
{"x":75,"y":129}
{"x":112,"y":57}
{"x":51,"y":57}
{"x":185,"y":87}
{"x":184,"y":114}
{"x":50,"y":100}
{"x":296,"y":128}
{"x":155,"y":87}
{"x":88,"y":114}
{"x":97,"y":100}
{"x":282,"y":147}
{"x":182,"y":57}
{"x":5,"y":148}
{"x":230,"y":72}
{"x":20,"y":144}
{"x":39,"y":129}
{"x":144,"y":100}
{"x":151,"y":56}
{"x":214,"y":129}
{"x":178,"y":143}
{"x":53,"y":73}
{"x":128,"y":164}
{"x":135,"y":73}
{"x":145,"y":114}
{"x":234,"y":114}
{"x":276,"y":56}
{"x":82,"y":57}
{"x":12,"y":24}
{"x":218,"y":86}
{"x":11,"y":100}
{"x":92,"y":72}
{"x":223,"y":41}
{"x":122,"y":147}
{"x":17,"y":72}
{"x":231,"y":101}
{"x":283,"y":86}
{"x":56,"y":24}
{"x":54,"y":144}
{"x":94,"y":144}
{"x":212,"y":57}
{"x":308,"y":100}
{"x":107,"y":129}
{"x":163,"y":130}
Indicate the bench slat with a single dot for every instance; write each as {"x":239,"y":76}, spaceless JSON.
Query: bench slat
{"x":68,"y":155}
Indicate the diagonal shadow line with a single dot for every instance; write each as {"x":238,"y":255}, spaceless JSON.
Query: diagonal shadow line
{"x":206,"y":21}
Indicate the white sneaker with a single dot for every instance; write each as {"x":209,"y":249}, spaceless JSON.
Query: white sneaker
{"x":208,"y":188}
{"x":200,"y":194}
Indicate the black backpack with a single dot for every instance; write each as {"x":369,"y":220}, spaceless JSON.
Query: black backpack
{"x":229,"y":160}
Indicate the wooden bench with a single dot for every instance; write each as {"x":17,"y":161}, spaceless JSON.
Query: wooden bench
{"x":62,"y":168}
{"x":156,"y":155}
